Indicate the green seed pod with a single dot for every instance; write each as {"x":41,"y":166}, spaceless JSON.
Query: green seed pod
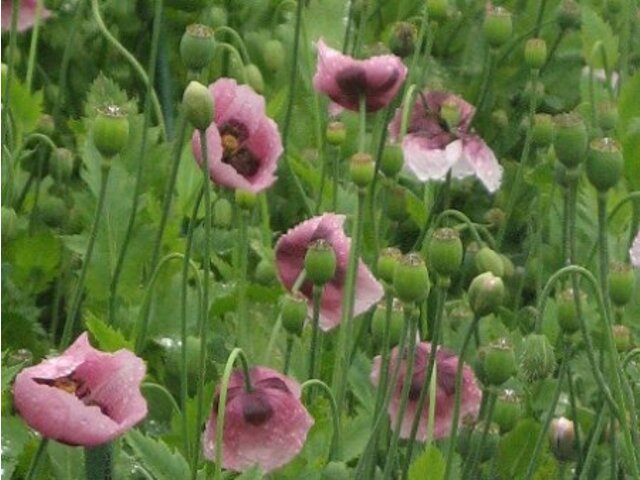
{"x":379,"y":321}
{"x":9,"y":224}
{"x":488,"y":260}
{"x":46,"y":125}
{"x":273,"y":55}
{"x":61,"y":164}
{"x":110,"y":131}
{"x":197,"y":47}
{"x":499,"y":362}
{"x":507,"y":266}
{"x":245,"y":199}
{"x":562,"y":439}
{"x":570,"y":139}
{"x":568,"y":15}
{"x":437,"y":9}
{"x":411,"y":279}
{"x":622,"y":338}
{"x":445,"y":252}
{"x":392,"y":160}
{"x":320,"y":262}
{"x":538,"y":360}
{"x":542,"y":131}
{"x":622,"y":282}
{"x":294,"y":313}
{"x":498,"y":26}
{"x":254,"y":77}
{"x":336,"y":133}
{"x":388,"y":260}
{"x":500,"y":118}
{"x":535,"y":53}
{"x":222,"y":213}
{"x":265,"y":272}
{"x":508,"y":410}
{"x":566,"y":312}
{"x":397,"y":203}
{"x":486,"y":294}
{"x":607,"y":115}
{"x":604,"y":163}
{"x":198,"y":105}
{"x":362,"y":169}
{"x":402,"y":41}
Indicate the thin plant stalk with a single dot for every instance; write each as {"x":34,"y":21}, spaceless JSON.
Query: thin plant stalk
{"x":33,"y":47}
{"x":98,"y":462}
{"x":315,"y":327}
{"x":335,"y":449}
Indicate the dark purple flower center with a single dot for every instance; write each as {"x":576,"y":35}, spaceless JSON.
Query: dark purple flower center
{"x":256,"y":408}
{"x":234,"y":153}
{"x":352,"y":80}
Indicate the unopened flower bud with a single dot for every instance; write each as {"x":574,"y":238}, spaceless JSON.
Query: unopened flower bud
{"x":497,"y":26}
{"x":445,"y":252}
{"x":396,"y":321}
{"x":507,"y":411}
{"x":320,"y":262}
{"x":362,"y":169}
{"x":388,"y":260}
{"x":61,"y":164}
{"x":110,"y":131}
{"x":254,"y":77}
{"x":500,"y":118}
{"x":535,"y":53}
{"x":411,"y":279}
{"x":198,"y":105}
{"x":494,"y":217}
{"x":562,"y":438}
{"x":197,"y":46}
{"x":265,"y":271}
{"x":507,"y":267}
{"x":53,"y":211}
{"x":607,"y":115}
{"x":570,"y":139}
{"x":622,"y":338}
{"x":397,"y":203}
{"x":568,"y":15}
{"x":499,"y":362}
{"x":538,"y":359}
{"x":437,"y":9}
{"x":294,"y":313}
{"x":486,"y":294}
{"x":222,"y":213}
{"x":604,"y":163}
{"x":245,"y":199}
{"x":621,"y":283}
{"x":566,"y":312}
{"x":402,"y":41}
{"x":488,"y":260}
{"x":542,"y":130}
{"x":392,"y":160}
{"x":273,"y":54}
{"x":9,"y":224}
{"x":336,"y":133}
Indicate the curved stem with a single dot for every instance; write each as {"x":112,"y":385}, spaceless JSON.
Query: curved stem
{"x":238,"y":40}
{"x":79,"y":289}
{"x":384,"y":356}
{"x":463,"y":218}
{"x":335,"y":448}
{"x":165,"y":393}
{"x":231,"y":49}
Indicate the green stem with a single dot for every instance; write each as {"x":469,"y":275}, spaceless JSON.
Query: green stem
{"x":593,"y":443}
{"x":231,"y":49}
{"x":384,"y":356}
{"x":287,"y":354}
{"x":486,"y":81}
{"x":238,"y":40}
{"x":34,"y":43}
{"x":6,"y":93}
{"x":335,"y":448}
{"x":98,"y":462}
{"x":470,"y":465}
{"x":539,"y":16}
{"x":277,"y":326}
{"x":79,"y":288}
{"x":574,"y":416}
{"x":32,"y":473}
{"x":336,"y":178}
{"x":165,"y":393}
{"x":315,"y":327}
{"x":243,"y":244}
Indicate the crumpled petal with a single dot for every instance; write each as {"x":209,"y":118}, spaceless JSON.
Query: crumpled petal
{"x":478,"y":159}
{"x":109,"y":384}
{"x":429,"y":163}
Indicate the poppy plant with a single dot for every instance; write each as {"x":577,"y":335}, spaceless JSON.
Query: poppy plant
{"x":446,"y":365}
{"x":243,"y":143}
{"x":345,"y":80}
{"x":84,"y":396}
{"x":266,"y":426}
{"x":439,"y":139}
{"x":290,"y":253}
{"x":26,"y":14}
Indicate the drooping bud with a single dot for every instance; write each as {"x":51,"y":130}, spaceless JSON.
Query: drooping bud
{"x":254,"y":77}
{"x":622,"y":337}
{"x":61,"y":164}
{"x":538,"y":359}
{"x":198,"y":105}
{"x":388,"y":260}
{"x":197,"y":46}
{"x":508,"y":410}
{"x":507,"y":267}
{"x":488,"y":260}
{"x":392,"y":160}
{"x":402,"y":41}
{"x":621,"y":283}
{"x":53,"y":211}
{"x":411,"y":279}
{"x":110,"y":131}
{"x":336,"y":133}
{"x":320,"y":262}
{"x":46,"y":125}
{"x":562,"y":438}
{"x":499,"y":362}
{"x":498,"y":26}
{"x":378,"y":323}
{"x":265,"y":271}
{"x":294,"y":313}
{"x":566,"y":312}
{"x":570,"y":139}
{"x":604,"y":163}
{"x":486,"y":294}
{"x":273,"y":54}
{"x":535,"y":53}
{"x":445,"y":252}
{"x":362,"y":169}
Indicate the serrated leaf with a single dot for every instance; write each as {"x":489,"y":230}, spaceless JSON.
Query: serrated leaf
{"x":67,"y":462}
{"x":595,"y":29}
{"x":104,"y":92}
{"x":515,"y":449}
{"x":15,"y":436}
{"x":629,"y":128}
{"x":430,"y":465}
{"x":26,"y":107}
{"x":36,"y":257}
{"x":109,"y":339}
{"x":157,"y":457}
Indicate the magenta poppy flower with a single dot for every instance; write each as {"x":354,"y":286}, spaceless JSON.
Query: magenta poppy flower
{"x":26,"y":15}
{"x":266,"y":427}
{"x":291,"y":250}
{"x":446,"y":365}
{"x":634,"y":251}
{"x":432,"y":148}
{"x":84,"y":396}
{"x":243,"y":143}
{"x":345,"y":79}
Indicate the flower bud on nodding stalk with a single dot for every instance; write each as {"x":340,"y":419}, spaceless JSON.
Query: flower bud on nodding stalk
{"x":411,"y":279}
{"x":110,"y":131}
{"x":566,"y":312}
{"x":388,"y":260}
{"x":197,"y":46}
{"x":254,"y":77}
{"x":622,"y":283}
{"x":570,"y":139}
{"x":61,"y":164}
{"x":486,"y":294}
{"x":562,"y":438}
{"x":294,"y":313}
{"x":498,"y":26}
{"x":622,"y":337}
{"x":604,"y":163}
{"x":445,"y":252}
{"x":320,"y":262}
{"x":198,"y":105}
{"x":538,"y":360}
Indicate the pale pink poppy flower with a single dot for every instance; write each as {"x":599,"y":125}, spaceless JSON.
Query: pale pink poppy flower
{"x":266,"y":427}
{"x":446,"y":365}
{"x":634,"y":251}
{"x":26,"y":15}
{"x":243,"y":143}
{"x":431,"y":148}
{"x":84,"y":396}
{"x":345,"y":79}
{"x":291,"y":250}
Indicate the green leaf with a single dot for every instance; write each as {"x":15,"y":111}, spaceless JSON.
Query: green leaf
{"x":430,"y":465}
{"x":36,"y":257}
{"x":105,"y":92}
{"x":594,"y":30}
{"x":15,"y":436}
{"x":9,"y":372}
{"x":157,"y":458}
{"x":67,"y":462}
{"x":26,"y":107}
{"x":515,"y":449}
{"x":109,"y":339}
{"x":629,"y":128}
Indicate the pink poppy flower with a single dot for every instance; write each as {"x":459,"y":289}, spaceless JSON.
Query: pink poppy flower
{"x":431,"y":148}
{"x":634,"y":251}
{"x":26,"y":15}
{"x":291,"y":250}
{"x":83,"y":397}
{"x":266,"y":427}
{"x":344,"y":79}
{"x":243,"y":143}
{"x":446,"y":365}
